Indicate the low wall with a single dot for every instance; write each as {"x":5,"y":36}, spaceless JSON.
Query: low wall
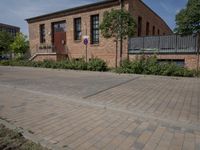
{"x":41,"y":57}
{"x":190,"y":59}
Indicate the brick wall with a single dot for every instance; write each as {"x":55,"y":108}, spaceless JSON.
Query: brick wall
{"x":106,"y":49}
{"x":40,"y":57}
{"x":138,"y":8}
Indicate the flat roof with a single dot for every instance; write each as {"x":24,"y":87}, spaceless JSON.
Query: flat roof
{"x":70,"y":11}
{"x":88,"y":7}
{"x":7,"y":25}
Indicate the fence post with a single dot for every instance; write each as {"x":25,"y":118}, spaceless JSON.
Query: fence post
{"x":198,"y":51}
{"x":143,"y":43}
{"x":176,"y":43}
{"x":159,"y":44}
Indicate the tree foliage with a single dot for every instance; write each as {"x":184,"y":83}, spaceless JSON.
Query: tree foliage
{"x":117,"y":23}
{"x":5,"y":40}
{"x":20,"y":44}
{"x":188,"y":19}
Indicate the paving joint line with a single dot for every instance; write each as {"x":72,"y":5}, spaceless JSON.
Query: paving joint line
{"x":112,"y":87}
{"x":184,"y":125}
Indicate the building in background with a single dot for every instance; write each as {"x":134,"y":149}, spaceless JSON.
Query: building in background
{"x":60,"y":35}
{"x":13,"y":30}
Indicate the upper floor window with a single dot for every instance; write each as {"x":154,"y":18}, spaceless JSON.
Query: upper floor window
{"x":42,"y":33}
{"x":77,"y":29}
{"x":139,"y":26}
{"x":95,"y":29}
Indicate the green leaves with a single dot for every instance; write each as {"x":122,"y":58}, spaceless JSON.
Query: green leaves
{"x":150,"y":65}
{"x":20,"y":44}
{"x":117,"y":23}
{"x":188,"y":19}
{"x":5,"y":40}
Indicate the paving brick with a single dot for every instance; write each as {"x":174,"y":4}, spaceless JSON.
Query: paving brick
{"x":151,"y":121}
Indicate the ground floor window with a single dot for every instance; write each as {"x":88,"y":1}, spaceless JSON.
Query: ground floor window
{"x":95,"y":29}
{"x":42,"y":33}
{"x":179,"y":62}
{"x":77,"y":29}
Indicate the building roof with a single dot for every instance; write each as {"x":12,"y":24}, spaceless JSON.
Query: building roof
{"x":98,"y":5}
{"x":7,"y":25}
{"x":70,"y":11}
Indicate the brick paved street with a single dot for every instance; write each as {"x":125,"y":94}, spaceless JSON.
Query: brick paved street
{"x":89,"y":111}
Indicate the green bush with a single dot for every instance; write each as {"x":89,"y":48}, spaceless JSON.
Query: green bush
{"x":93,"y":65}
{"x":78,"y":64}
{"x":96,"y":64}
{"x":144,"y":66}
{"x":152,"y":66}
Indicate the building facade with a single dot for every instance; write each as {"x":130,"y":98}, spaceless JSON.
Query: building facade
{"x":13,"y":30}
{"x":60,"y":35}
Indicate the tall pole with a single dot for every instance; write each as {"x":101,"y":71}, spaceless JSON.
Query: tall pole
{"x":116,"y":53}
{"x":198,"y":51}
{"x":121,"y":39}
{"x":86,"y":45}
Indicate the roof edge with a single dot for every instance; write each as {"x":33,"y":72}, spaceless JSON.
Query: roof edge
{"x":12,"y":26}
{"x":45,"y":16}
{"x":156,"y":14}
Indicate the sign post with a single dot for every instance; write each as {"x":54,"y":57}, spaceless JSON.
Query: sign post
{"x":85,"y":41}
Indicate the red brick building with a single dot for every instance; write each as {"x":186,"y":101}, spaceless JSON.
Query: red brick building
{"x":60,"y":35}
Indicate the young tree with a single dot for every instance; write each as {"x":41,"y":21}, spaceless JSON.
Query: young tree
{"x":118,"y":24}
{"x":20,"y":44}
{"x":5,"y":40}
{"x":188,"y":19}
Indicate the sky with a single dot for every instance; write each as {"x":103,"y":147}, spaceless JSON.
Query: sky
{"x":15,"y":12}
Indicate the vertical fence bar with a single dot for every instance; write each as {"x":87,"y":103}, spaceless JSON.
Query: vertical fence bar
{"x":143,"y":43}
{"x":159,"y":44}
{"x":176,"y":44}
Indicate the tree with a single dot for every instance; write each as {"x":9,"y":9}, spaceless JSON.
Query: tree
{"x":5,"y":40}
{"x":20,"y":44}
{"x":188,"y":19}
{"x":118,"y":24}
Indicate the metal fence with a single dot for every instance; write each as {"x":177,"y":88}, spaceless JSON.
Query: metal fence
{"x":163,"y":44}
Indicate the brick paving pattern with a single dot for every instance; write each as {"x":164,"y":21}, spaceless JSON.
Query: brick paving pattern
{"x":115,"y":112}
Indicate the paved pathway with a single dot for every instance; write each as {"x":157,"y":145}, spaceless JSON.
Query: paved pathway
{"x":85,"y":110}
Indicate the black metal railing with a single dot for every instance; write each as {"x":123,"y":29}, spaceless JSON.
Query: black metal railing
{"x":163,"y":44}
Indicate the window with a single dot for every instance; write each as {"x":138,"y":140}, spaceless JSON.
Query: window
{"x":42,"y":33}
{"x":59,"y":26}
{"x":154,"y":30}
{"x":95,"y":29}
{"x":158,"y":32}
{"x":77,"y":29}
{"x":179,"y":62}
{"x":139,"y":26}
{"x":147,"y":28}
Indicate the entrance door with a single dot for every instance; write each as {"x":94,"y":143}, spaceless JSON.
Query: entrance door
{"x":59,"y":37}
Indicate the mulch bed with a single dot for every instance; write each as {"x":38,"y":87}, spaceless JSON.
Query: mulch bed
{"x":12,"y":140}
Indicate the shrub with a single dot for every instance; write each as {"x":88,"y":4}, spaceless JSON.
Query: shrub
{"x":96,"y":64}
{"x":150,"y":65}
{"x":78,"y":64}
{"x":48,"y":64}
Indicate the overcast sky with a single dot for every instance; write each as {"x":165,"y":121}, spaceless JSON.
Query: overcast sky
{"x":14,"y":12}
